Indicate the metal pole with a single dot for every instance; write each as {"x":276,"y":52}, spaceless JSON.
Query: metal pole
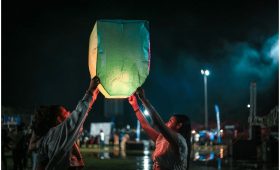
{"x":205,"y":101}
{"x":138,"y":131}
{"x":252,"y":108}
{"x":218,"y":123}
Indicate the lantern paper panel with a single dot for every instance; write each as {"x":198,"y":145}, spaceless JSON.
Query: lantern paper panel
{"x":119,"y":54}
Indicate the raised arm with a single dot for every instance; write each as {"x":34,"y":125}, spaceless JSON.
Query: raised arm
{"x":168,"y":134}
{"x":151,"y":132}
{"x":76,"y":119}
{"x":62,"y":137}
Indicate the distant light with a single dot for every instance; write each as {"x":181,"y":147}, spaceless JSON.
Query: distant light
{"x":221,"y":130}
{"x":221,"y":152}
{"x":146,"y":113}
{"x":212,"y":155}
{"x":211,"y":136}
{"x":196,"y":137}
{"x":202,"y":72}
{"x":196,"y":155}
{"x":146,"y":162}
{"x":193,"y":131}
{"x":207,"y":73}
{"x":146,"y":152}
{"x":248,"y":105}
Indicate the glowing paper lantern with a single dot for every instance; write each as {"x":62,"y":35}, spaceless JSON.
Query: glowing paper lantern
{"x":119,"y":54}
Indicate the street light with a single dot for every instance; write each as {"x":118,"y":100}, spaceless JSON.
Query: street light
{"x":205,"y":73}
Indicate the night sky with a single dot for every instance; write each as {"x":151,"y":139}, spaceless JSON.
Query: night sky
{"x":45,"y":50}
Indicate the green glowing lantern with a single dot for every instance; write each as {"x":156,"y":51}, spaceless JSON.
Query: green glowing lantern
{"x":119,"y":54}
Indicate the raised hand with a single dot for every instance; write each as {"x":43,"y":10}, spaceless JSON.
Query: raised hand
{"x":133,"y":102}
{"x":140,"y":93}
{"x":93,"y":84}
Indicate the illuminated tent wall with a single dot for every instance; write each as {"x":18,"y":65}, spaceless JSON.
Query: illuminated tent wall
{"x":119,"y":54}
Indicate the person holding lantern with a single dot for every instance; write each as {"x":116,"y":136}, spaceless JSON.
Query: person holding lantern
{"x":56,"y":131}
{"x":172,"y":139}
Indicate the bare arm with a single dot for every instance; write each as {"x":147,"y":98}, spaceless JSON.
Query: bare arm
{"x":168,"y":134}
{"x":151,"y":132}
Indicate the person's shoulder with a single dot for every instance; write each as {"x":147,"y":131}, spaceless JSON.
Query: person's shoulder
{"x":181,"y":138}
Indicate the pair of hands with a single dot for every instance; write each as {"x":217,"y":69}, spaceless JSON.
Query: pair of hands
{"x":95,"y":81}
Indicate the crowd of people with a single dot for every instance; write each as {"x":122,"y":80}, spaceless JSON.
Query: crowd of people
{"x":115,"y":138}
{"x":15,"y":141}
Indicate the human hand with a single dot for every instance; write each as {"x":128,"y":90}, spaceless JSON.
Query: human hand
{"x":93,"y":84}
{"x":140,"y":93}
{"x":133,"y":102}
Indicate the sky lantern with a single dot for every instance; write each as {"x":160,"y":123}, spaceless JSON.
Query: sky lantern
{"x":119,"y":54}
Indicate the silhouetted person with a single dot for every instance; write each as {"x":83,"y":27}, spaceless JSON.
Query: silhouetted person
{"x":27,"y":136}
{"x":58,"y":130}
{"x":32,"y":149}
{"x":18,"y":151}
{"x":5,"y":146}
{"x":172,"y":140}
{"x":102,"y":138}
